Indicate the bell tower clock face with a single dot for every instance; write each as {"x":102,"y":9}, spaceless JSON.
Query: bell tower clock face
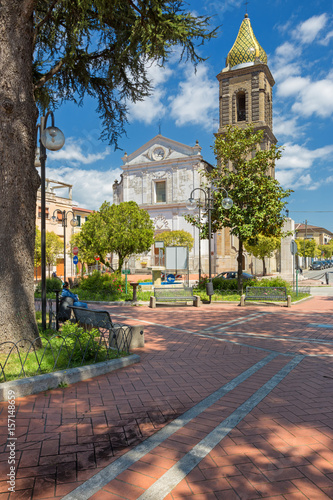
{"x":158,"y":153}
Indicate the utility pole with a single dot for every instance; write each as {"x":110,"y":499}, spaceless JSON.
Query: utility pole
{"x":306,"y":235}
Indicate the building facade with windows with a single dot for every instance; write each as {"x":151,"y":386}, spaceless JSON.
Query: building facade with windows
{"x":58,"y":202}
{"x":159,"y":177}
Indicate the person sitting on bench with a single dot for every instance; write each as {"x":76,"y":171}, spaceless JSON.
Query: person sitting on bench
{"x":67,"y":293}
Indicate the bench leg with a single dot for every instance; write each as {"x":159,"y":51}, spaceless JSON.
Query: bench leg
{"x":288,"y":301}
{"x":152,"y":302}
{"x":196,"y":301}
{"x":242,"y":300}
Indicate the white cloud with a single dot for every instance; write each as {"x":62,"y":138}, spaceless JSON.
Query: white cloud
{"x":292,"y":86}
{"x":152,"y":107}
{"x":286,"y":127}
{"x":299,"y":157}
{"x":74,"y":154}
{"x":90,"y":187}
{"x":307,"y":31}
{"x":196,"y":100}
{"x":292,"y":170}
{"x":315,"y":98}
{"x":326,"y":40}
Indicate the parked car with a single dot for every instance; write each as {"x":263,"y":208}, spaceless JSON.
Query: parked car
{"x":316,"y":265}
{"x":231,"y":275}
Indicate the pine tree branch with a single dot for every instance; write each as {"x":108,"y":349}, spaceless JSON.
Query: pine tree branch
{"x":49,"y":74}
{"x":44,"y":20}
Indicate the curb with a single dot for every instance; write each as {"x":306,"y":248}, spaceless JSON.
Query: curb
{"x":40,"y":383}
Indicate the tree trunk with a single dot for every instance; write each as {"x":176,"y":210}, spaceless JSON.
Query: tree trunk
{"x":240,"y":266}
{"x":19,"y":179}
{"x":263,"y":267}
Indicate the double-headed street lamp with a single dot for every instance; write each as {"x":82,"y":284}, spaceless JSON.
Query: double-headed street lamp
{"x":53,"y":139}
{"x":64,"y":217}
{"x":208,"y":206}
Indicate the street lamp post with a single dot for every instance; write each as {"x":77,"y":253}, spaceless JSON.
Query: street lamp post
{"x":209,"y":203}
{"x":53,"y":139}
{"x":74,"y":222}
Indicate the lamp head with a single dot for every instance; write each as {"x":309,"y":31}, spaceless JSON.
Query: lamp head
{"x":227,"y":203}
{"x":54,"y":219}
{"x":52,"y":138}
{"x":74,"y":222}
{"x":191,"y":204}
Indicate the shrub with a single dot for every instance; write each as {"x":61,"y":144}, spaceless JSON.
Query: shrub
{"x":106,"y":284}
{"x":276,"y":281}
{"x":81,"y":344}
{"x":52,"y":284}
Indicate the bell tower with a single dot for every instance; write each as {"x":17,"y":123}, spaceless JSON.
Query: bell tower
{"x":245,"y":86}
{"x":245,"y":96}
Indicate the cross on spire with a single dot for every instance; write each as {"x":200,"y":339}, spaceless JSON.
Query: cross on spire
{"x":246,"y":4}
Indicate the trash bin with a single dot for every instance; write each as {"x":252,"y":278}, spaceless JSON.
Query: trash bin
{"x":209,"y":288}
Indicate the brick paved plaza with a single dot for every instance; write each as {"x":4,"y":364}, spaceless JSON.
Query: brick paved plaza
{"x":226,"y":403}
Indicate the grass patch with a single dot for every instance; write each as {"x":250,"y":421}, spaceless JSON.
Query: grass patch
{"x":70,"y":348}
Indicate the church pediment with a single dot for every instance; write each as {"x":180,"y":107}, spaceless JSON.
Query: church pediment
{"x":160,"y":149}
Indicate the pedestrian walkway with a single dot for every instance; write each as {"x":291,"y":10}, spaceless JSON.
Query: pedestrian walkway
{"x":226,"y":403}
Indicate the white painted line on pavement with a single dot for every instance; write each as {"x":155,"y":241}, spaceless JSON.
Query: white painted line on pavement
{"x":270,"y":337}
{"x":166,"y":483}
{"x":95,"y":483}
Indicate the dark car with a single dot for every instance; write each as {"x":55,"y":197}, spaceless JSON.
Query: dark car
{"x":231,"y":275}
{"x":317,"y":265}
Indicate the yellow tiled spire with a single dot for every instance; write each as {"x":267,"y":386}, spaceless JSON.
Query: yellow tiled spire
{"x":246,"y":47}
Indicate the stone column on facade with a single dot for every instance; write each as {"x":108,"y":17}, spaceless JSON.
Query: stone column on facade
{"x":144,"y":186}
{"x":262,"y":96}
{"x":125,"y":183}
{"x":174,"y":183}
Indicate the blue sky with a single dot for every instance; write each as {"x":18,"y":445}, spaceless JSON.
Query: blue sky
{"x":298,"y":39}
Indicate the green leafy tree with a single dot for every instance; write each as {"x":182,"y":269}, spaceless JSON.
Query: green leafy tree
{"x":307,"y":248}
{"x":85,"y":255}
{"x":262,"y":247}
{"x":258,"y":199}
{"x":124,"y":229}
{"x":53,"y":247}
{"x":326,"y":250}
{"x":58,"y":50}
{"x":176,"y":238}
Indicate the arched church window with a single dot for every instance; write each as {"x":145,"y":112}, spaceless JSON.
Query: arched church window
{"x":241,"y":107}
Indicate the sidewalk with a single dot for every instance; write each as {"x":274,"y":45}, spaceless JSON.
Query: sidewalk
{"x":227,"y":403}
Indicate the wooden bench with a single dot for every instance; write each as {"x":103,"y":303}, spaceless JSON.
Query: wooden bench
{"x":174,"y":294}
{"x":121,"y":336}
{"x":266,"y":293}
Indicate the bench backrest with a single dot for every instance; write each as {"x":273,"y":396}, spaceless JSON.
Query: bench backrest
{"x":266,"y":291}
{"x":98,"y":319}
{"x":168,"y":291}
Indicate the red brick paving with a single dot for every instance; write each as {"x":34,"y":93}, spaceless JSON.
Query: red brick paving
{"x":281,"y":450}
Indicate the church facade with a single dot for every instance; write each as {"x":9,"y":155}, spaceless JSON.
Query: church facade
{"x":161,"y":175}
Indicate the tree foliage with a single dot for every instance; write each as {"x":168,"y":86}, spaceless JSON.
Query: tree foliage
{"x":124,"y":229}
{"x":264,"y":246}
{"x":307,"y":248}
{"x":326,"y":250}
{"x":53,"y":247}
{"x":66,"y":50}
{"x":258,"y":198}
{"x":102,"y":49}
{"x":176,"y":238}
